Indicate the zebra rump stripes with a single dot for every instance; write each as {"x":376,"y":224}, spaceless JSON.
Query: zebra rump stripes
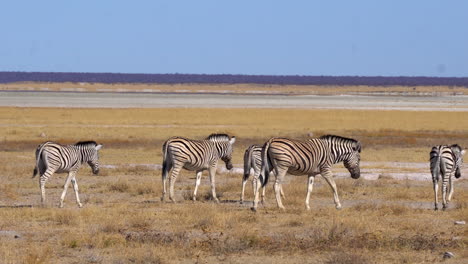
{"x":445,"y":161}
{"x":253,"y":160}
{"x":195,"y":155}
{"x":55,"y":158}
{"x":310,"y":157}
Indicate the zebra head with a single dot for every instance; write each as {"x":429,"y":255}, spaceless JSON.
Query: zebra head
{"x":458,"y":153}
{"x":347,"y":150}
{"x":90,"y":155}
{"x":224,"y":146}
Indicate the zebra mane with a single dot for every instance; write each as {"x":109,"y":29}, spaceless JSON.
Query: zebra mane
{"x":218,"y":137}
{"x":340,"y":138}
{"x":86,"y":143}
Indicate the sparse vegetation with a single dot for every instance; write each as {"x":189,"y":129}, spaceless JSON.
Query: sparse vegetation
{"x":124,"y":221}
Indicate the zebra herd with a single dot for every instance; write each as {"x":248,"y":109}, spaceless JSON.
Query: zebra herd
{"x":278,"y":156}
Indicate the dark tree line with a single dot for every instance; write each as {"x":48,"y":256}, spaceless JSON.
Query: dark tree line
{"x":11,"y":77}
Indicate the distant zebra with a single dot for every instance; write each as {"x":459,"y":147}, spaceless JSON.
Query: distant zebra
{"x":195,"y":155}
{"x":445,"y":161}
{"x":253,"y":160}
{"x":311,"y":157}
{"x":55,"y":158}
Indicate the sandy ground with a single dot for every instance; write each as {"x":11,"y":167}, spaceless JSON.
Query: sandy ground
{"x":158,"y":100}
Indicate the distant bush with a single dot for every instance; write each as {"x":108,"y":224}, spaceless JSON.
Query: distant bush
{"x":177,"y":78}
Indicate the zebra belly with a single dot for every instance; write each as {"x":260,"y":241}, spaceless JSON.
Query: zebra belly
{"x":298,"y":172}
{"x":192,"y":167}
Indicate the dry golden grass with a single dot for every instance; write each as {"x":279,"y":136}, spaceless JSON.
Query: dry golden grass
{"x":124,"y":221}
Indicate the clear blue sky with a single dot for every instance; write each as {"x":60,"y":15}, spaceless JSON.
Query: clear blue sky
{"x":358,"y":37}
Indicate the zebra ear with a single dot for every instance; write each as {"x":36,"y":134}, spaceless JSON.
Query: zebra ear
{"x":357,"y":147}
{"x":463,"y":152}
{"x":98,"y":147}
{"x":233,"y":139}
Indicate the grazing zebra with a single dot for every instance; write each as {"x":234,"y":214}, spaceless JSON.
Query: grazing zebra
{"x":253,"y":160}
{"x":195,"y":155}
{"x":55,"y":158}
{"x":445,"y":160}
{"x":311,"y":157}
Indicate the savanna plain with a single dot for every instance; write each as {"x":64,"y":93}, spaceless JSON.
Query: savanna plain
{"x":383,"y":220}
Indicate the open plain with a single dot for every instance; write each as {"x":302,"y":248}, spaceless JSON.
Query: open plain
{"x":387,"y":215}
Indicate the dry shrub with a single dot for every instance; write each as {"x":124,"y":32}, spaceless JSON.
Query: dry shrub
{"x":141,"y":220}
{"x":145,"y":188}
{"x":9,"y":191}
{"x":65,"y":217}
{"x":38,"y":255}
{"x":119,"y":186}
{"x":347,"y":258}
{"x":383,"y":209}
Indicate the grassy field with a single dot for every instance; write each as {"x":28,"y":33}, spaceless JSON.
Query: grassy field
{"x":124,"y":221}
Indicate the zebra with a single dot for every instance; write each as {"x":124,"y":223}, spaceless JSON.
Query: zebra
{"x":195,"y":155}
{"x":53,"y":158}
{"x":253,"y":160}
{"x":445,"y":161}
{"x":311,"y":157}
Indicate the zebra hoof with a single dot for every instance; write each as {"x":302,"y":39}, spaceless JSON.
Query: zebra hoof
{"x":241,"y":202}
{"x":253,"y":209}
{"x":338,"y":207}
{"x":80,"y":205}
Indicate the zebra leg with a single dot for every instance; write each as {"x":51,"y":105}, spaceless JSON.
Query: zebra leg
{"x":197,"y":183}
{"x":277,"y":186}
{"x":42,"y":180}
{"x":256,"y":194}
{"x":65,"y":187}
{"x":327,"y":175}
{"x":436,"y":189}
{"x":444,"y":193}
{"x":213,"y":184}
{"x":174,"y":174}
{"x":310,"y":186}
{"x":244,"y":181}
{"x":263,"y":195}
{"x":450,"y":189}
{"x":75,"y":187}
{"x":164,"y":178}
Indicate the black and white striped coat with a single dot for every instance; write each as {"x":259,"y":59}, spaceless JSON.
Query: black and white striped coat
{"x":56,"y":158}
{"x":253,"y":161}
{"x":445,"y":162}
{"x":310,"y":157}
{"x":195,"y":155}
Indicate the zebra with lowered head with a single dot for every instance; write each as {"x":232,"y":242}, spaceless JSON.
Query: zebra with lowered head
{"x":55,"y":158}
{"x":445,"y":161}
{"x":195,"y":155}
{"x":253,"y":160}
{"x":310,"y":157}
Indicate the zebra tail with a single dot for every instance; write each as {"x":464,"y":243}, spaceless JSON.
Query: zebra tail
{"x":265,"y":171}
{"x":435,"y":167}
{"x":165,"y":162}
{"x":247,"y":163}
{"x":38,"y":158}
